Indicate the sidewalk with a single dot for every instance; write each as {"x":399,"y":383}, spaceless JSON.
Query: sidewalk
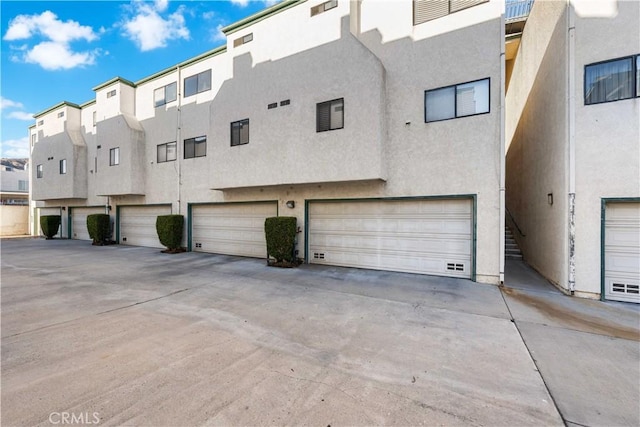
{"x":587,"y":351}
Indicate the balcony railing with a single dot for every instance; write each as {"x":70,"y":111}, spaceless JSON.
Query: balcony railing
{"x":516,"y":10}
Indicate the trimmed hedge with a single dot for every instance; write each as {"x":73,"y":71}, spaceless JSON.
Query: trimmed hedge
{"x":280,"y":233}
{"x":169,"y":229}
{"x":50,"y":225}
{"x":99,"y":227}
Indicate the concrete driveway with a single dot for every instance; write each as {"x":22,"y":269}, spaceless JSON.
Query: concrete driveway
{"x":122,"y":335}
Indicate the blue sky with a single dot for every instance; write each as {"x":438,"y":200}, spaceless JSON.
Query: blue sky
{"x":55,"y":51}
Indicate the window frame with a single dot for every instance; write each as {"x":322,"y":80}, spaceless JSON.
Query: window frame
{"x":112,"y":93}
{"x":164,"y":97}
{"x":165,"y":145}
{"x":635,"y":76}
{"x":194,"y":139}
{"x":242,"y":123}
{"x":39,"y":171}
{"x":449,"y":11}
{"x":114,"y":156}
{"x":23,"y":185}
{"x":455,"y":103}
{"x":318,"y":130}
{"x":63,"y":166}
{"x":197,"y":78}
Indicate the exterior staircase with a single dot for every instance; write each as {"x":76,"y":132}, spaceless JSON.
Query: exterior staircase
{"x":511,"y":249}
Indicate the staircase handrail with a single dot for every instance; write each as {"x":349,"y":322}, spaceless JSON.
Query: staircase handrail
{"x":515,"y":223}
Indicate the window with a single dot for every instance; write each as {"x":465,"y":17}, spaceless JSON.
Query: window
{"x":39,"y":171}
{"x":612,"y":80}
{"x":111,"y":93}
{"x":33,"y":139}
{"x":427,"y":10}
{"x":167,"y":152}
{"x":199,"y":83}
{"x":240,"y":132}
{"x":323,"y":7}
{"x":63,"y":166}
{"x":40,"y":123}
{"x":95,"y":118}
{"x":165,"y":94}
{"x":242,"y":40}
{"x":466,"y":99}
{"x":330,"y":115}
{"x":61,"y":114}
{"x":23,"y":185}
{"x":114,"y":156}
{"x":195,"y":147}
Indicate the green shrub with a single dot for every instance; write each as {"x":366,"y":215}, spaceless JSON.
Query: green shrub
{"x":169,"y":228}
{"x":99,"y":228}
{"x":50,"y":225}
{"x":280,"y":233}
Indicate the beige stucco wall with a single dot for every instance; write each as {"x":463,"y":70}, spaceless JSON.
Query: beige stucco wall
{"x":536,"y":129}
{"x":607,"y":135}
{"x":14,"y":220}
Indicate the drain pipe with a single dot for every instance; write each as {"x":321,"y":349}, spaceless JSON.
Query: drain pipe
{"x":178,"y":137}
{"x":503,"y":155}
{"x":572,"y":146}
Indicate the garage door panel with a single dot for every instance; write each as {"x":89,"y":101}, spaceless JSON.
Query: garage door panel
{"x":231,"y":229}
{"x":138,"y":225}
{"x":79,"y":221}
{"x":420,"y":236}
{"x":622,"y":252}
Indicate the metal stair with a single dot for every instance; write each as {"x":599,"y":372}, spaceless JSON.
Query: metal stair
{"x":511,"y":249}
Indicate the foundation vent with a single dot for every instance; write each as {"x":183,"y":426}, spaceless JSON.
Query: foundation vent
{"x":198,"y":245}
{"x":625,"y":288}
{"x":318,"y":255}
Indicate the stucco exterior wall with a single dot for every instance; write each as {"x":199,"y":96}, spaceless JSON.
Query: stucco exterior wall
{"x":607,"y":135}
{"x":14,"y":220}
{"x":536,"y":122}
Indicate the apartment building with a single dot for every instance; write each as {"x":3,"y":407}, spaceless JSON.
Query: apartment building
{"x":14,"y":199}
{"x":573,"y":134}
{"x":378,"y":125}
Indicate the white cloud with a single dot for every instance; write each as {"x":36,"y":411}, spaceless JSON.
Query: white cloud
{"x":217,"y":35}
{"x":55,"y":52}
{"x":7,"y":103}
{"x":20,"y":115}
{"x":15,"y":148}
{"x":55,"y":56}
{"x":270,"y":2}
{"x":149,"y":30}
{"x":241,"y":3}
{"x":208,"y":15}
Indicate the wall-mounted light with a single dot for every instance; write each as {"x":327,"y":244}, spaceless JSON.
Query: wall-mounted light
{"x":550,"y":198}
{"x":291,"y":204}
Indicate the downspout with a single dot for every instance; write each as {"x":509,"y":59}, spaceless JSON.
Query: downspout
{"x":503,"y":155}
{"x":178,"y":138}
{"x":572,"y":146}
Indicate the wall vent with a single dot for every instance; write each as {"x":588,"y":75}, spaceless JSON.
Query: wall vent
{"x":625,"y":288}
{"x":285,"y":102}
{"x":452,"y":266}
{"x":198,"y":245}
{"x":318,"y":255}
{"x":272,"y":105}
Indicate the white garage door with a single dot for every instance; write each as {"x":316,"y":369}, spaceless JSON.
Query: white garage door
{"x":415,"y":236}
{"x":53,"y":211}
{"x":138,"y":225}
{"x":231,"y":228}
{"x":622,"y":252}
{"x":79,"y":221}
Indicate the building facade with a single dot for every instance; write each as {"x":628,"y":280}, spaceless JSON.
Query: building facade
{"x":378,"y":125}
{"x":573,"y":136}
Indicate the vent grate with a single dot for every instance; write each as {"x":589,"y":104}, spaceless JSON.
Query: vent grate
{"x":452,"y":266}
{"x":272,"y":105}
{"x":198,"y":245}
{"x":318,"y":255}
{"x":625,"y":288}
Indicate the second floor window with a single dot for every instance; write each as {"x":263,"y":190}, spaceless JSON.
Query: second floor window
{"x":612,"y":80}
{"x":450,"y":102}
{"x":167,"y":152}
{"x":23,"y":185}
{"x":114,"y":156}
{"x":165,"y":94}
{"x":330,"y":115}
{"x":201,"y":82}
{"x":39,"y":171}
{"x":63,"y":166}
{"x":195,"y":147}
{"x":240,"y":132}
